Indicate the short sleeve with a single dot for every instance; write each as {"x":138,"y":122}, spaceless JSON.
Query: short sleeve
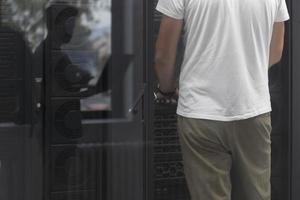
{"x":171,"y":8}
{"x":282,"y":12}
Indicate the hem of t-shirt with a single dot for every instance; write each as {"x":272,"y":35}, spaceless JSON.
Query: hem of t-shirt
{"x":283,"y":19}
{"x":168,"y":13}
{"x":224,"y":118}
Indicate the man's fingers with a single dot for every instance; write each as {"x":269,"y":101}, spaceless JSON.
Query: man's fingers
{"x":161,"y":99}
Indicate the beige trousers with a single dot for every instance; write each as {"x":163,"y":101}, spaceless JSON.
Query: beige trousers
{"x":227,"y":160}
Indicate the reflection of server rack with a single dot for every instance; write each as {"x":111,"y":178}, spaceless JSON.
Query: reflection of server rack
{"x":76,"y":131}
{"x":18,"y":141}
{"x":13,"y":59}
{"x":73,"y":171}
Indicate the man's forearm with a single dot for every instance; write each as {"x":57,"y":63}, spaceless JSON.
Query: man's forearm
{"x":165,"y":72}
{"x":277,"y":42}
{"x":165,"y":52}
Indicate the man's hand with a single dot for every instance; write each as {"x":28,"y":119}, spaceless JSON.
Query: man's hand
{"x":163,"y":99}
{"x":165,"y":55}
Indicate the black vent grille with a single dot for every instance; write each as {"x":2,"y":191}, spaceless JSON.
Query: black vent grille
{"x":174,"y":189}
{"x":169,"y":181}
{"x":9,"y":88}
{"x":8,"y":105}
{"x":12,"y":76}
{"x":11,"y":55}
{"x":5,"y":11}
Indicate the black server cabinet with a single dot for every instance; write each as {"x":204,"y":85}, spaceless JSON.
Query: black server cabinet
{"x":94,"y":144}
{"x":20,"y":131}
{"x":71,"y":172}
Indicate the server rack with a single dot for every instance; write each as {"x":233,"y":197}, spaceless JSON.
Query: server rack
{"x":20,"y":131}
{"x":71,"y":171}
{"x":93,"y":154}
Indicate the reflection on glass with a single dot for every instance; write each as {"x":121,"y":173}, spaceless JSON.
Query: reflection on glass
{"x":81,"y":37}
{"x":84,"y":80}
{"x":25,"y":16}
{"x":91,"y":38}
{"x":87,"y":50}
{"x":100,"y":102}
{"x":90,"y":50}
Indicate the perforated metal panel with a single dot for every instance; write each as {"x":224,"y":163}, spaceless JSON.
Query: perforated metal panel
{"x":20,"y":152}
{"x":12,"y":78}
{"x":169,"y":181}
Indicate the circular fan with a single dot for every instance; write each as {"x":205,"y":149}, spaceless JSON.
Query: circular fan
{"x":68,"y":120}
{"x":73,"y":168}
{"x":69,"y":76}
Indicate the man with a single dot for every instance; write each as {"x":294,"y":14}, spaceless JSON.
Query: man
{"x":224,"y":102}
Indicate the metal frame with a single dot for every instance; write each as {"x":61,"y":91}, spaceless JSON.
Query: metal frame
{"x":295,"y":109}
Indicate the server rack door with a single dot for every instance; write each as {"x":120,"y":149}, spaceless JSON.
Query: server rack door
{"x":20,"y":119}
{"x":94,"y":136}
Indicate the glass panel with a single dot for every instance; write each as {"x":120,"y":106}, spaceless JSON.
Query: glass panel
{"x":89,"y":51}
{"x":93,"y":77}
{"x":92,"y":57}
{"x":26,"y":17}
{"x":22,"y":30}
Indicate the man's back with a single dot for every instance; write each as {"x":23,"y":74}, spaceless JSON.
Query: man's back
{"x":224,"y":75}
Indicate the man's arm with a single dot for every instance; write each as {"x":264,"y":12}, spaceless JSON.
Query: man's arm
{"x":277,"y":43}
{"x":165,"y":54}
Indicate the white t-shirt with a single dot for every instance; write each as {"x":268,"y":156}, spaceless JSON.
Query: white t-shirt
{"x":224,"y":75}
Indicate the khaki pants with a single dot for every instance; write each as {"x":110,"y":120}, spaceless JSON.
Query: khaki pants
{"x":227,"y":160}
